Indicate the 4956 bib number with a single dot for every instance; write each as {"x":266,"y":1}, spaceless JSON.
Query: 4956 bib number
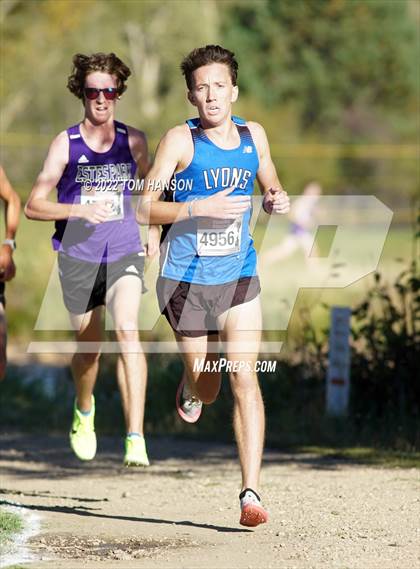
{"x":218,"y":241}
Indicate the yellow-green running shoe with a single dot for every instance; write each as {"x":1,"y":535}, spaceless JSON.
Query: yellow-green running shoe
{"x":82,"y":434}
{"x":135,"y":451}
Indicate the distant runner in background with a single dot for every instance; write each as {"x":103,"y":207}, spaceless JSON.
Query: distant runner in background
{"x":302,"y":213}
{"x":100,"y":256}
{"x":7,"y":267}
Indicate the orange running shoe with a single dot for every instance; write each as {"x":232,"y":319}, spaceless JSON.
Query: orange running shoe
{"x":252,"y":512}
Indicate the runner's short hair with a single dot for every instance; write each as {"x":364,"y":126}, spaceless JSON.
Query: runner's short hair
{"x":206,"y":55}
{"x":83,"y":65}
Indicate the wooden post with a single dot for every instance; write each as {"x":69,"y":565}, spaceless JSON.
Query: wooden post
{"x":338,"y":375}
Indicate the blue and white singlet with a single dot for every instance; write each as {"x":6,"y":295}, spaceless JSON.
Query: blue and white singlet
{"x":198,"y":250}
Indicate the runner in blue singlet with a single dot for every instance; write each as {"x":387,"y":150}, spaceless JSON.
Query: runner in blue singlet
{"x":208,"y":282}
{"x":100,"y":256}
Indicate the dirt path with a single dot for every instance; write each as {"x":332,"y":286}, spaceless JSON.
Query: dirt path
{"x":182,"y":512}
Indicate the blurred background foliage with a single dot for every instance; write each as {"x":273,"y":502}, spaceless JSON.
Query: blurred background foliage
{"x":321,"y":74}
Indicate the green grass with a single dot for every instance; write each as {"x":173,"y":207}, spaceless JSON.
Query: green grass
{"x":9,"y":525}
{"x":366,"y":456}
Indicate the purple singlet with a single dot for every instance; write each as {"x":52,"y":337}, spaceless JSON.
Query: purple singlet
{"x":88,"y":178}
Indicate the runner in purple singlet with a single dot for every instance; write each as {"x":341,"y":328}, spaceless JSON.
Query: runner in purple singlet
{"x":100,"y":255}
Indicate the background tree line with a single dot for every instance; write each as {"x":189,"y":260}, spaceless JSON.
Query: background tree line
{"x":323,"y":74}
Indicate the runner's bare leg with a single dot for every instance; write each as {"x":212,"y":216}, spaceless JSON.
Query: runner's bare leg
{"x":123,"y":302}
{"x":242,"y":345}
{"x":84,"y":366}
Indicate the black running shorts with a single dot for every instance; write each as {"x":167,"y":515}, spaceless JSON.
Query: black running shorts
{"x":85,"y":284}
{"x":192,"y":309}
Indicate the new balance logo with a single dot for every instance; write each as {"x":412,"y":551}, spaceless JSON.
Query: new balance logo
{"x":83,"y":159}
{"x":247,"y":150}
{"x":132,"y":269}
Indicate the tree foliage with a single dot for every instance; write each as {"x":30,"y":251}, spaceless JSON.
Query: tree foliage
{"x":312,"y":71}
{"x":334,"y":57}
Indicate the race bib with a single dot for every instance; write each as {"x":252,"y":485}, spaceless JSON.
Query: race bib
{"x":217,"y":238}
{"x":115,"y":196}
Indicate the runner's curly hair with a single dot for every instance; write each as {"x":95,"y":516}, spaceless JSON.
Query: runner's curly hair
{"x":105,"y":62}
{"x":206,"y":55}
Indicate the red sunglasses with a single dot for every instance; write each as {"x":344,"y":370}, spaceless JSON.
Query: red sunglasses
{"x":92,"y":93}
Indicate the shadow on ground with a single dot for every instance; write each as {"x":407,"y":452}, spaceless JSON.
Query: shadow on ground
{"x":49,"y":456}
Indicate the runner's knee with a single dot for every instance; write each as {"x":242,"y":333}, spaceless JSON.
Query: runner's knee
{"x":87,"y":360}
{"x":127,"y":332}
{"x":243,"y":384}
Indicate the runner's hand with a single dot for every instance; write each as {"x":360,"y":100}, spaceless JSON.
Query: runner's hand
{"x":276,"y":200}
{"x":222,"y":205}
{"x":96,"y":212}
{"x":7,"y":266}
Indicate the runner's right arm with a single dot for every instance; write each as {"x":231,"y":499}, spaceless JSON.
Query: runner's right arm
{"x":41,"y":208}
{"x":170,"y":157}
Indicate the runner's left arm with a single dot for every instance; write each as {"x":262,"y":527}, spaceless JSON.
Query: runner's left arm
{"x":12,"y":211}
{"x":276,"y":199}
